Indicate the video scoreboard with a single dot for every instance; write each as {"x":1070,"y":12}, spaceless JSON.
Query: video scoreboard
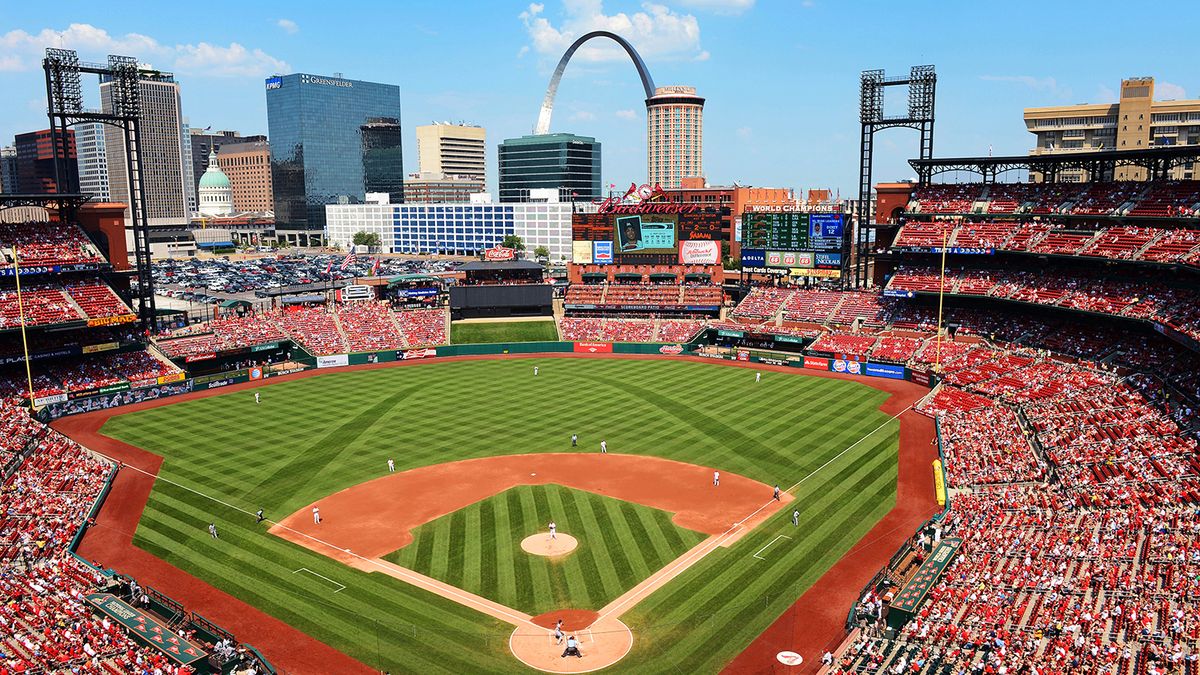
{"x":792,"y":231}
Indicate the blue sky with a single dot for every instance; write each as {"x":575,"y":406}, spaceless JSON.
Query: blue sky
{"x":781,"y":77}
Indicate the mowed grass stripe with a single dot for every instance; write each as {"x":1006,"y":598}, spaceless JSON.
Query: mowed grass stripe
{"x":265,"y":456}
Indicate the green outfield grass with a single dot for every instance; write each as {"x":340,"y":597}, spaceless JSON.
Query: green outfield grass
{"x":502,"y":331}
{"x":315,"y":436}
{"x":620,"y":544}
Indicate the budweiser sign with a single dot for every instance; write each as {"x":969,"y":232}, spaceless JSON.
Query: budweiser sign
{"x":671,"y":349}
{"x":499,"y":253}
{"x":643,"y":199}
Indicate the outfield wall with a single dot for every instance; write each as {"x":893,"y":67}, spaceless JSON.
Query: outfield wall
{"x":83,"y":403}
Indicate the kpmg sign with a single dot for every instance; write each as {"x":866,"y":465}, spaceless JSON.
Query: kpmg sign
{"x":275,"y":82}
{"x":314,"y":79}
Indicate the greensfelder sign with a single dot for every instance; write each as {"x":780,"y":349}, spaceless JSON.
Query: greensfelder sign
{"x":147,"y":628}
{"x":930,"y":571}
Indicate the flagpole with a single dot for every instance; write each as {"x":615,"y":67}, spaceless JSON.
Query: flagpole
{"x":21,"y":311}
{"x":937,"y":365}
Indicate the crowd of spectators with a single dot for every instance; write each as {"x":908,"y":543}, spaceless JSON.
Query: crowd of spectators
{"x":1160,"y":199}
{"x":45,"y":303}
{"x":660,"y":296}
{"x":40,"y":244}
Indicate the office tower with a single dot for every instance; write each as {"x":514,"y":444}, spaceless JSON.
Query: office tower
{"x":93,"y":160}
{"x":565,"y":162}
{"x":452,"y":150}
{"x":36,"y":154}
{"x":674,"y":136}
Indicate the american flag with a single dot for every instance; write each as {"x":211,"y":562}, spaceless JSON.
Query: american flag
{"x":350,"y":260}
{"x":375,"y":268}
{"x":329,"y":268}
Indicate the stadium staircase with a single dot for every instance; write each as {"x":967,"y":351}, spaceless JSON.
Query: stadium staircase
{"x":337,"y":321}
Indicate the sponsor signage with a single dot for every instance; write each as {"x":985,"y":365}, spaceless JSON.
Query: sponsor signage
{"x":602,"y":253}
{"x":794,"y":208}
{"x":730,"y":333}
{"x":777,"y":271}
{"x":953,"y":250}
{"x":265,"y":347}
{"x":138,"y":384}
{"x":639,"y":199}
{"x":37,"y":356}
{"x":699,"y":252}
{"x":199,"y":357}
{"x":802,"y":259}
{"x":893,"y":293}
{"x":275,"y":82}
{"x":789,"y":338}
{"x":827,"y":261}
{"x":921,"y":377}
{"x":419,"y":292}
{"x":173,"y":377}
{"x":939,"y":482}
{"x":50,"y":269}
{"x":671,"y":350}
{"x":217,"y":377}
{"x":593,"y":347}
{"x":743,"y":355}
{"x":885,"y":370}
{"x":47,"y":400}
{"x":147,"y":629}
{"x":102,"y":347}
{"x":823,"y":274}
{"x":754,"y":257}
{"x":256,"y":373}
{"x":327,"y":81}
{"x":581,"y":252}
{"x":499,"y":253}
{"x":845,"y":366}
{"x":111,"y":320}
{"x":91,"y":403}
{"x":426,"y":353}
{"x":333,"y":361}
{"x":816,"y":363}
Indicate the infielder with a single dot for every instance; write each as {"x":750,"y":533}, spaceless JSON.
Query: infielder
{"x":316,"y":515}
{"x":777,"y":493}
{"x":716,"y":478}
{"x":258,"y":516}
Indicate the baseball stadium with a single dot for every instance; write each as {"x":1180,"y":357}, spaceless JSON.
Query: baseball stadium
{"x":958,"y":436}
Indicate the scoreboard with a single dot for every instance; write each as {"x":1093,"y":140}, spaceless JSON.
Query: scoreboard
{"x":784,"y":231}
{"x":792,"y":231}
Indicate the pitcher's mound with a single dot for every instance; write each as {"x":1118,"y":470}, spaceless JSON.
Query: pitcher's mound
{"x":542,"y":544}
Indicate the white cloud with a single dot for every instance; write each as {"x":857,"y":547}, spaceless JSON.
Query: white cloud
{"x":583,"y":115}
{"x":291,"y":27}
{"x":522,"y":51}
{"x":627,"y":114}
{"x":656,"y":31}
{"x":1106,"y":95}
{"x":23,"y":51}
{"x":234,"y":60}
{"x":1166,"y":90}
{"x":719,"y":6}
{"x":744,"y":133}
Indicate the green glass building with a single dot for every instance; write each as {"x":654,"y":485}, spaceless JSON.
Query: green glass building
{"x":567,"y":162}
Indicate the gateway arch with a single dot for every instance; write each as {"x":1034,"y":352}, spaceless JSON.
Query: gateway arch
{"x":543,"y":122}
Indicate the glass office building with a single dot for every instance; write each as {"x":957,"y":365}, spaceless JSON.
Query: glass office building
{"x":316,"y":126}
{"x":566,"y":162}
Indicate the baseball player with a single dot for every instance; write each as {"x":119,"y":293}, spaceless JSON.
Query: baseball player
{"x":574,"y":439}
{"x":258,"y":516}
{"x":257,"y":397}
{"x":391,"y":465}
{"x":553,"y":530}
{"x":558,"y":633}
{"x":758,"y":377}
{"x":212,"y":530}
{"x":535,"y":371}
{"x":604,"y":447}
{"x":777,"y":493}
{"x":316,"y":515}
{"x":716,"y":478}
{"x":796,"y":518}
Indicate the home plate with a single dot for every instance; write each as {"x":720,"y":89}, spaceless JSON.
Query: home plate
{"x":533,"y":474}
{"x":789,"y":658}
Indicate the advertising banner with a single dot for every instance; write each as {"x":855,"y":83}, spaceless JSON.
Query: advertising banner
{"x":593,"y":347}
{"x":602,"y":253}
{"x":199,"y":357}
{"x":147,"y":628}
{"x":105,"y":401}
{"x":848,"y":367}
{"x":265,"y":347}
{"x":102,"y":347}
{"x":754,"y":257}
{"x":671,"y":350}
{"x":921,"y":377}
{"x":892,"y":293}
{"x":111,"y":320}
{"x":256,"y":373}
{"x":723,"y":332}
{"x":47,"y":400}
{"x":828,"y":261}
{"x":333,"y":361}
{"x":36,"y":356}
{"x":499,"y":254}
{"x":802,"y":259}
{"x":887,"y":370}
{"x":699,"y":252}
{"x":418,"y":292}
{"x":824,"y":274}
{"x":581,"y":252}
{"x":426,"y":353}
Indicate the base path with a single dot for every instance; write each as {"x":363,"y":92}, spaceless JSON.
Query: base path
{"x":375,"y":518}
{"x":551,"y":547}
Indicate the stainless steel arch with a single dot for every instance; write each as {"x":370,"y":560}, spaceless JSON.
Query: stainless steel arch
{"x":543,"y":123}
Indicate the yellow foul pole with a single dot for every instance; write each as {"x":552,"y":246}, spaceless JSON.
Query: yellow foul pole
{"x":21,"y":311}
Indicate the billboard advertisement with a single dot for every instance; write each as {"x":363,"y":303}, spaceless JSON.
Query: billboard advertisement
{"x":844,"y":366}
{"x":581,"y":252}
{"x":701,"y":252}
{"x":646,"y":233}
{"x":828,"y":261}
{"x":754,"y":257}
{"x":816,"y":363}
{"x":885,"y":370}
{"x":593,"y":347}
{"x":789,"y":259}
{"x":333,"y":361}
{"x":602,"y":253}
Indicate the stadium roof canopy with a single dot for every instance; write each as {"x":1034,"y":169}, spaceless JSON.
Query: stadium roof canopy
{"x":481,"y":265}
{"x":1157,"y":161}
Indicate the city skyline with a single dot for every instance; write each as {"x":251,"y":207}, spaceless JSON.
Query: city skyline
{"x":762,"y":67}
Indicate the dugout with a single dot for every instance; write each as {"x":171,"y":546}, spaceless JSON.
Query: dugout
{"x":500,"y":289}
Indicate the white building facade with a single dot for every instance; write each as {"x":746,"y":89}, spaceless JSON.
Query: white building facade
{"x":92,"y":160}
{"x":455,"y":229}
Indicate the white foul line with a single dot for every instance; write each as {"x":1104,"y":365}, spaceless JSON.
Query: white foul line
{"x":782,"y":536}
{"x":305,"y":569}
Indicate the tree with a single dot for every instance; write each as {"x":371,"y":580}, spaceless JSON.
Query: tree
{"x":541,"y":252}
{"x":364,"y":238}
{"x":514,"y":242}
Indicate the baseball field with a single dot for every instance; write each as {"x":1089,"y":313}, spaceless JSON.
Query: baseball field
{"x":823,"y":440}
